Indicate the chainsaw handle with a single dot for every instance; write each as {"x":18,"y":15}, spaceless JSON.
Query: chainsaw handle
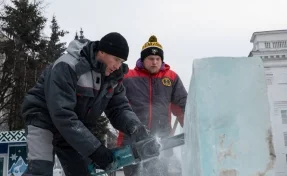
{"x":92,"y":170}
{"x":122,"y":156}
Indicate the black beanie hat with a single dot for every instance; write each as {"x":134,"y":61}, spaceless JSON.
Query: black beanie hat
{"x":115,"y":44}
{"x":152,"y":47}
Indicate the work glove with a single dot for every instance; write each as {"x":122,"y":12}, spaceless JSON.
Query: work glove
{"x":137,"y":131}
{"x":142,"y":137}
{"x":140,"y":133}
{"x":102,"y":157}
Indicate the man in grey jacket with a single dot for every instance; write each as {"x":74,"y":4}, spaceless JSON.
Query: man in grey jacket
{"x":68,"y":97}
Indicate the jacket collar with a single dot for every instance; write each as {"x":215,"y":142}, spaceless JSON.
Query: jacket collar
{"x":89,"y":52}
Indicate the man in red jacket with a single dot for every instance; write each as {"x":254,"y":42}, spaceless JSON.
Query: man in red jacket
{"x":154,"y":92}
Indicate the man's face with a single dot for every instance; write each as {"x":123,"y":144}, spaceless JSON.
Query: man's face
{"x":112,"y":63}
{"x":152,"y":63}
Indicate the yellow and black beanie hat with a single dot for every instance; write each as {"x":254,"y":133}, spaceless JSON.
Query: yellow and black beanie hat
{"x":152,"y":47}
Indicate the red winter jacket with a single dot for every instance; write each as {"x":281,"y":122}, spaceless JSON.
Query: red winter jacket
{"x":153,"y":97}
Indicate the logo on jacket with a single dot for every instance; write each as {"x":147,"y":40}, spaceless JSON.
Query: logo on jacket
{"x":166,"y":82}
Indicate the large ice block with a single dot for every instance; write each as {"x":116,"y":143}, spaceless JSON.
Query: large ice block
{"x":227,"y":124}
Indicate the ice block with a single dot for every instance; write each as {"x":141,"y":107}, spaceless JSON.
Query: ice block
{"x":227,"y":124}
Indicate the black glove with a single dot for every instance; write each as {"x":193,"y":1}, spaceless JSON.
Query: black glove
{"x":147,"y":148}
{"x":102,"y":157}
{"x":139,"y":132}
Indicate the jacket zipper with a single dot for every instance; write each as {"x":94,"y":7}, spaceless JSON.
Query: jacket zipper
{"x":150,"y":102}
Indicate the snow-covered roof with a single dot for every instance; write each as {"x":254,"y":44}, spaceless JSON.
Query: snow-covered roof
{"x":266,"y":32}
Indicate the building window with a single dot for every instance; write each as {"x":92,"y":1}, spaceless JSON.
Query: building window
{"x":284,"y":116}
{"x":285,"y":139}
{"x":281,"y":44}
{"x":267,"y":44}
{"x":269,"y":78}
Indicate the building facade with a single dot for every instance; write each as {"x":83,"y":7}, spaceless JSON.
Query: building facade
{"x":271,"y":46}
{"x":13,"y":156}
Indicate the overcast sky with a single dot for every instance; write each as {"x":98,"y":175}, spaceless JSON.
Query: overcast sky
{"x":187,"y":29}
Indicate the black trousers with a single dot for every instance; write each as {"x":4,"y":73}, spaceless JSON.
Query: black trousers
{"x":41,"y":152}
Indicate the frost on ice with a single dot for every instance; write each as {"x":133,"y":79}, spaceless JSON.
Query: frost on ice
{"x":227,"y":123}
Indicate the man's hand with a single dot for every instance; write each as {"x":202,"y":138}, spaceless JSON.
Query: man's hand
{"x":102,"y":157}
{"x":139,"y":133}
{"x":147,"y":148}
{"x":145,"y":142}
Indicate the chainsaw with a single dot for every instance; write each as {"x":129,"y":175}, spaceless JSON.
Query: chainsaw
{"x":137,"y":153}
